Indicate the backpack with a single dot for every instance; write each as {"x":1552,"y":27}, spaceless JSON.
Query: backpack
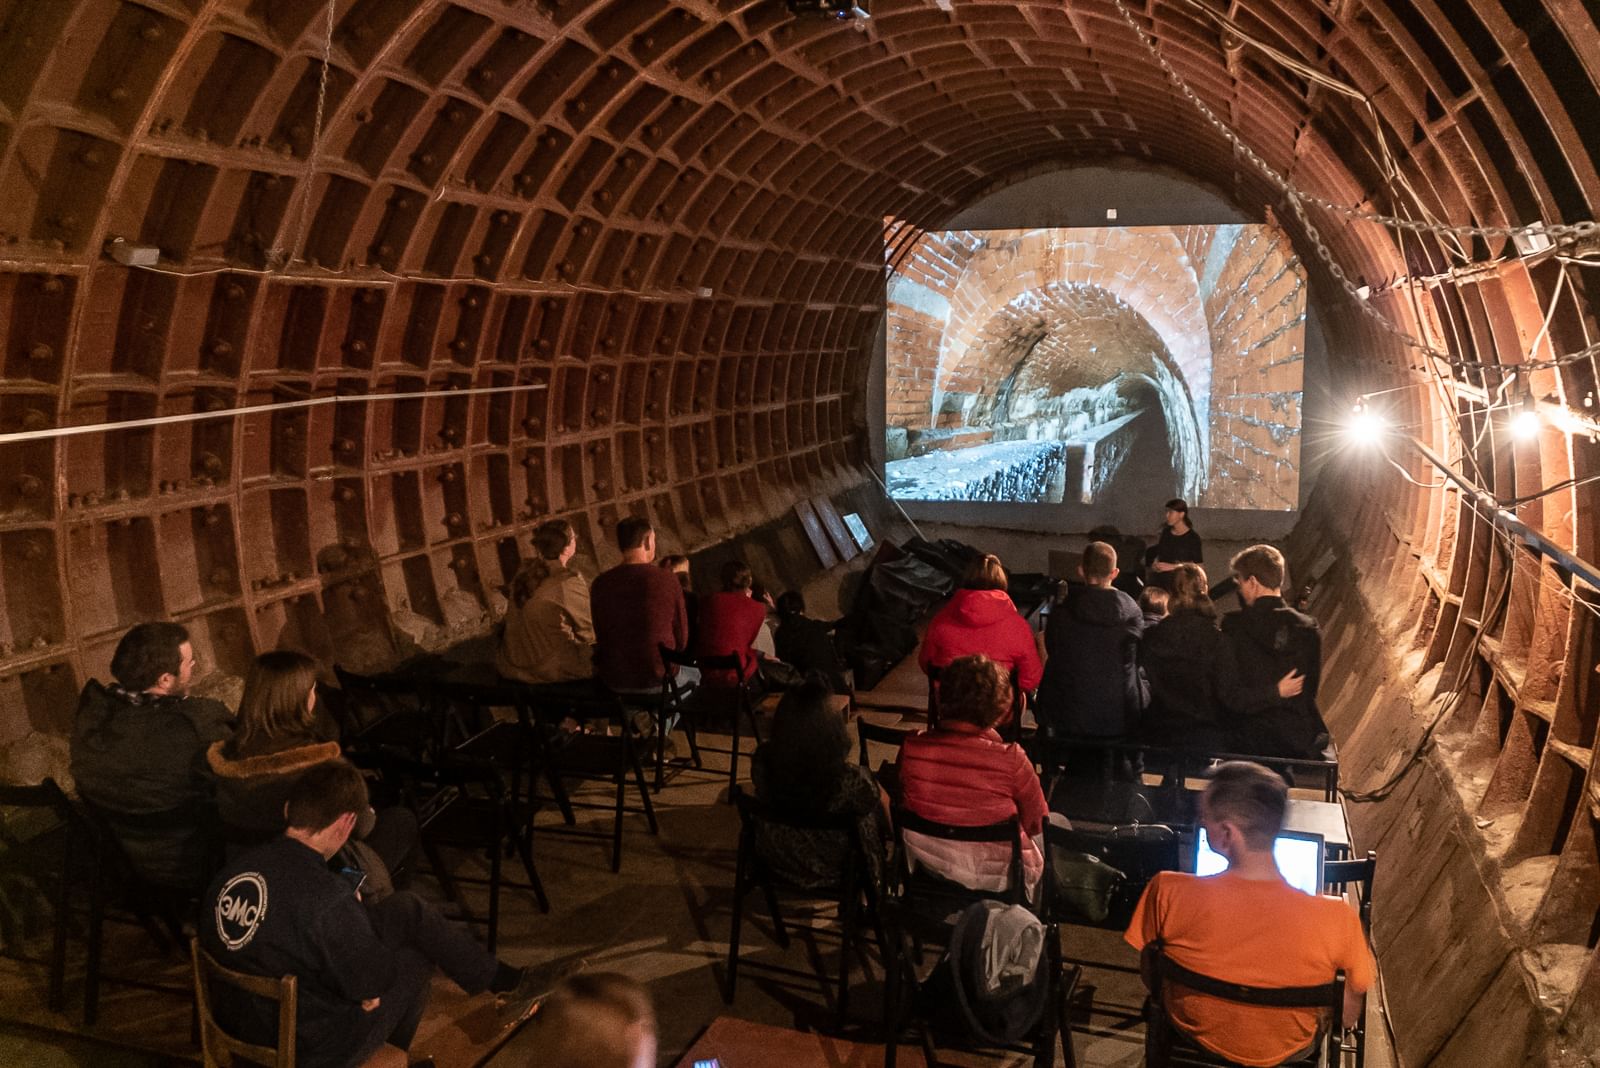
{"x":993,"y":980}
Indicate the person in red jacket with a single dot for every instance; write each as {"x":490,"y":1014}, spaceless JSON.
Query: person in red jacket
{"x":981,"y":618}
{"x":729,"y":623}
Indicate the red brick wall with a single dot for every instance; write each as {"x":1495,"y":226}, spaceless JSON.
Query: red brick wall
{"x":1256,"y":313}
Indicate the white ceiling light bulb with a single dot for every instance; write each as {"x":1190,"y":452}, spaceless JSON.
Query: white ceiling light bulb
{"x":1525,"y":425}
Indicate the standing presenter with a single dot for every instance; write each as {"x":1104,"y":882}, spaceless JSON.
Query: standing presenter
{"x":1178,"y":543}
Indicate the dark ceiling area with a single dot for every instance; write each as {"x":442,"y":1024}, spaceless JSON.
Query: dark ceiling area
{"x":618,"y":256}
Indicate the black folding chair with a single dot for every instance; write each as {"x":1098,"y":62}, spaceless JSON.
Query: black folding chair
{"x":753,"y":868}
{"x":54,"y":855}
{"x":1166,"y":1046}
{"x":923,"y":910}
{"x":690,"y":705}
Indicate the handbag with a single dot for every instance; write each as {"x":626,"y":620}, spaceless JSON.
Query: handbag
{"x":1084,"y":885}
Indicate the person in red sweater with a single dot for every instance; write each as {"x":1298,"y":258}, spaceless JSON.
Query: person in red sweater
{"x":961,"y":773}
{"x":729,"y":624}
{"x":637,"y":608}
{"x":981,"y":618}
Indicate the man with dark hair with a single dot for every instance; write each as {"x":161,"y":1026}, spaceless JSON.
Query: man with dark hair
{"x":637,"y":608}
{"x":1273,"y":662}
{"x":549,"y":634}
{"x":1091,"y":684}
{"x":363,"y":969}
{"x":139,"y":749}
{"x":1247,"y":925}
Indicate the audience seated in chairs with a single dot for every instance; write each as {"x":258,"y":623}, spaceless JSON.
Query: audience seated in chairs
{"x":1091,"y":685}
{"x":139,"y":749}
{"x":596,"y":1020}
{"x":548,"y":635}
{"x":962,"y":774}
{"x":804,"y":769}
{"x":637,"y":608}
{"x":1274,"y":662}
{"x":981,"y":618}
{"x":1248,"y":926}
{"x":363,"y":967}
{"x":282,"y":732}
{"x":730,"y":622}
{"x":1181,"y":657}
{"x":806,"y":644}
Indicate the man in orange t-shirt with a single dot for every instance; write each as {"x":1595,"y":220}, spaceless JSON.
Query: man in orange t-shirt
{"x":1246,"y":925}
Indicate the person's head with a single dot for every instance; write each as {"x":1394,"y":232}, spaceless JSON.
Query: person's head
{"x":736,"y":577}
{"x":1099,"y":566}
{"x":596,"y":1020}
{"x":984,"y":573}
{"x":555,"y":540}
{"x":279,"y":701}
{"x":1189,"y":587}
{"x":154,"y":658}
{"x":636,"y":537}
{"x":974,"y":689}
{"x":1153,"y":601}
{"x":324,"y":804}
{"x":791,"y":604}
{"x":1259,"y":572}
{"x":1177,"y":512}
{"x":678,"y":564}
{"x":810,"y":745}
{"x":1243,"y":808}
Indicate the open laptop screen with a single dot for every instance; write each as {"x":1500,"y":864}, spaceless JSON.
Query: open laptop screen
{"x":1299,"y":859}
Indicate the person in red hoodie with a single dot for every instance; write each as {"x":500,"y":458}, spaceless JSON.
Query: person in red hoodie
{"x":981,"y":618}
{"x":729,"y":623}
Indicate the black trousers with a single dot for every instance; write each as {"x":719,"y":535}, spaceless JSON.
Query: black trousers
{"x":423,"y":940}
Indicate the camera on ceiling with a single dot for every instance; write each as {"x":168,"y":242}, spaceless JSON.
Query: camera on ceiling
{"x":829,"y":9}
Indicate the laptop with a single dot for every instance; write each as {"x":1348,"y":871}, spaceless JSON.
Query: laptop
{"x":1299,"y":855}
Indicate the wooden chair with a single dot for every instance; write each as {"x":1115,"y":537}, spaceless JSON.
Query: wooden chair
{"x":1166,"y":1046}
{"x":219,"y":1049}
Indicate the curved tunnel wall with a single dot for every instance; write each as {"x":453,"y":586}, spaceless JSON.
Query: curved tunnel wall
{"x":664,"y":221}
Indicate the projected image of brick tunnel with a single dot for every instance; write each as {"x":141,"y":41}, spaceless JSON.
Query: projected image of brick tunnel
{"x":1069,"y":365}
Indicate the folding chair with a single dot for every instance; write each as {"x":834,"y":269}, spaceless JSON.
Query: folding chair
{"x":1337,"y":876}
{"x":753,"y":868}
{"x":1166,"y":1046}
{"x":689,"y":705}
{"x":63,"y":844}
{"x":924,"y":909}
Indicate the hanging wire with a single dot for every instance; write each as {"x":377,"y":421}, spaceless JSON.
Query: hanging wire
{"x":284,"y":257}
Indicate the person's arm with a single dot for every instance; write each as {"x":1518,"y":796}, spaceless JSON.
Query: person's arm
{"x":1030,"y":668}
{"x":1028,"y":795}
{"x":1248,"y":698}
{"x":680,"y":617}
{"x":353,"y":961}
{"x":575,"y":599}
{"x":1144,"y":930}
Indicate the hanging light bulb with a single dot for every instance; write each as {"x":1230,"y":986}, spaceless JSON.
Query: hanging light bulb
{"x":1365,"y":425}
{"x":1525,"y":421}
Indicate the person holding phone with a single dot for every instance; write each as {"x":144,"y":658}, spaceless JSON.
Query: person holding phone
{"x":363,"y":967}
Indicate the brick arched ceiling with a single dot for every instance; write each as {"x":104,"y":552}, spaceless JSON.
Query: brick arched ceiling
{"x":663,"y":221}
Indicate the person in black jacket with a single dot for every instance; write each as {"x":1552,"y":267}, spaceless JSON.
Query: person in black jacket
{"x":139,"y":750}
{"x":1091,"y":683}
{"x":806,"y":644}
{"x":1272,"y":667}
{"x":1181,"y":656}
{"x":363,"y":970}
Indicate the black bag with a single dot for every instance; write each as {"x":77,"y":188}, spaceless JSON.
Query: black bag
{"x":1084,"y":884}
